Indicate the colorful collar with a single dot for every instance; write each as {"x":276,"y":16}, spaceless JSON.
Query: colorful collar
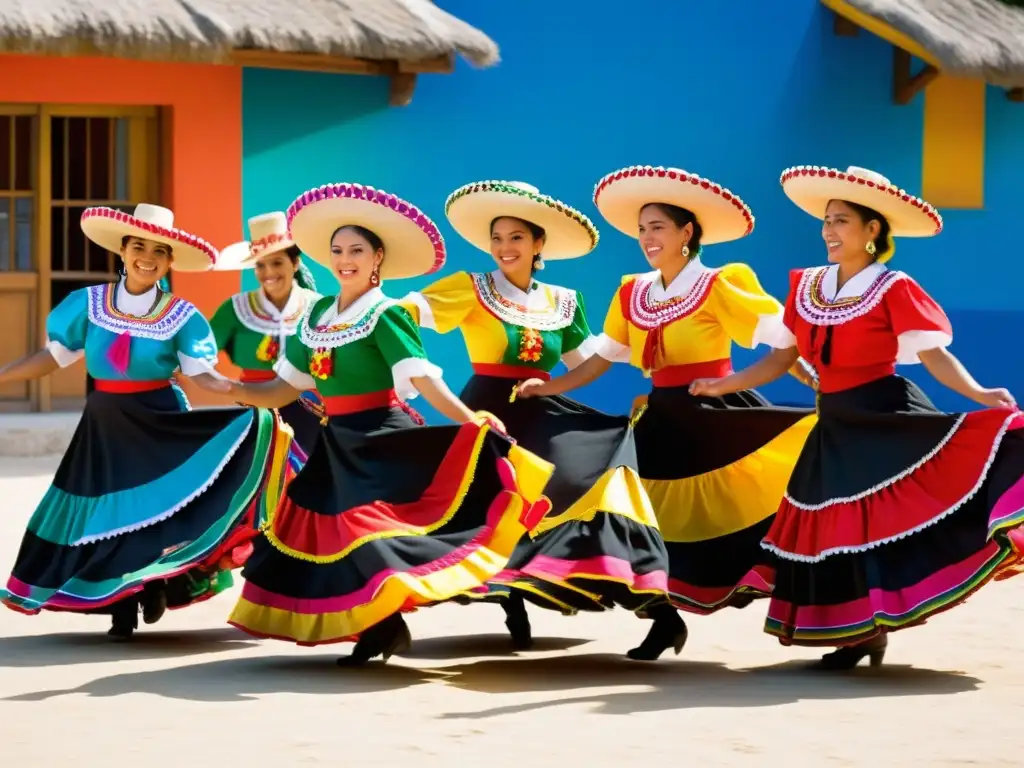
{"x":544,"y":308}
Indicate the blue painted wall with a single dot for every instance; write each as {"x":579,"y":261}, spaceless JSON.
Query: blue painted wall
{"x":743,"y":90}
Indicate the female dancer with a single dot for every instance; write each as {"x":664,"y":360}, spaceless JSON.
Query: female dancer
{"x":151,"y":503}
{"x":252,"y":326}
{"x":895,"y":510}
{"x":374,"y":524}
{"x":516,"y":328}
{"x":714,"y":468}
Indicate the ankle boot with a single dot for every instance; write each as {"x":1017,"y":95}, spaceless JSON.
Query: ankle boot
{"x":517,"y":621}
{"x":384,"y":639}
{"x":667,"y":631}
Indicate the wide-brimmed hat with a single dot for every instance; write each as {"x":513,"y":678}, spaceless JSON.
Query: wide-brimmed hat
{"x":568,"y":234}
{"x":107,"y":227}
{"x":268,"y":234}
{"x":812,"y":186}
{"x":722,"y":215}
{"x":413,"y":244}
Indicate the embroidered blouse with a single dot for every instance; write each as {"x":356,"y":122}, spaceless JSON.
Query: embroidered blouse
{"x":147,"y":337}
{"x":859,"y":333}
{"x":373,"y":345}
{"x":253,"y":332}
{"x":691,"y":322}
{"x":503,"y":325}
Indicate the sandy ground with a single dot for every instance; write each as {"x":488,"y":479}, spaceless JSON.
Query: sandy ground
{"x":195,"y":690}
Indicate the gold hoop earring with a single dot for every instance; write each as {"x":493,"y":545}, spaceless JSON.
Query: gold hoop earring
{"x":375,"y":276}
{"x":686,"y":251}
{"x":870,"y":248}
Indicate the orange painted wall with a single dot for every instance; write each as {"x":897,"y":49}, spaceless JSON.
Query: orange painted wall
{"x":202,"y":172}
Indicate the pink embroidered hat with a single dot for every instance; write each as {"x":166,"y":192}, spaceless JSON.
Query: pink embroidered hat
{"x":268,"y":234}
{"x":620,"y":196}
{"x":107,"y":227}
{"x":413,"y":245}
{"x":812,"y":186}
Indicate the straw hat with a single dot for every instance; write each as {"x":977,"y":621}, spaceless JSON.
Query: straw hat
{"x":268,"y":233}
{"x":568,"y":234}
{"x":413,"y":244}
{"x":722,"y":215}
{"x":107,"y":227}
{"x":812,"y":186}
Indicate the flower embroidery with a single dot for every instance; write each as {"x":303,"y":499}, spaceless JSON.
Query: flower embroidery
{"x":321,"y":365}
{"x":531,"y":345}
{"x":268,"y":350}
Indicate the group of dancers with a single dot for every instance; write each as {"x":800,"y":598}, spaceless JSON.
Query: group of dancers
{"x":344,"y":510}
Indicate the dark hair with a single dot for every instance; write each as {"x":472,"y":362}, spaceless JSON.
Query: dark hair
{"x":681,"y":217}
{"x":303,"y":275}
{"x":870,"y":214}
{"x":367,"y":234}
{"x":536,"y":231}
{"x":122,"y":270}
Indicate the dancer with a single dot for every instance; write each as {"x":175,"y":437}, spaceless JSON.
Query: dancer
{"x":252,"y":327}
{"x":152,"y":503}
{"x":715,"y":469}
{"x":516,"y":328}
{"x":386,"y":516}
{"x":895,"y":510}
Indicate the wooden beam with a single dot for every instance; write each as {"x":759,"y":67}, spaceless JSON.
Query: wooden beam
{"x":308,"y":62}
{"x":843,"y":27}
{"x":904,"y":85}
{"x":440,"y":65}
{"x":403,"y":84}
{"x":1015,"y":94}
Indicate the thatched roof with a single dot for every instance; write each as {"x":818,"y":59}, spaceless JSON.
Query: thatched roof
{"x":976,"y":38}
{"x":209,"y":30}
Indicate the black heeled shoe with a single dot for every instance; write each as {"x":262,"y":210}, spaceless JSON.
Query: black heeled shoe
{"x":668,"y":631}
{"x":846,"y":658}
{"x":154,"y":602}
{"x":517,"y":621}
{"x":385,"y":639}
{"x":124,"y":619}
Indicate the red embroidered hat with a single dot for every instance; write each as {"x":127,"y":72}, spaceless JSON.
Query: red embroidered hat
{"x":107,"y":227}
{"x":268,"y":234}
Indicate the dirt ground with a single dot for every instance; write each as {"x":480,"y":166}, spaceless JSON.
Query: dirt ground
{"x":194,"y":690}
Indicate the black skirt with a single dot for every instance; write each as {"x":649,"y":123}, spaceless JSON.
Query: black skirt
{"x":387,"y":517}
{"x":895,"y":511}
{"x":148,"y":491}
{"x":599,"y":546}
{"x":715,"y":470}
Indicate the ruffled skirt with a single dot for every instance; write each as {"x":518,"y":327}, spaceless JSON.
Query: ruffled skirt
{"x":387,"y":517}
{"x":715,"y":470}
{"x":599,"y":546}
{"x":895,"y":512}
{"x":149,"y":492}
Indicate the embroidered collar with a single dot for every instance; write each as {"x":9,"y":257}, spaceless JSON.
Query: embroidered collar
{"x":544,"y":308}
{"x":860,"y":295}
{"x":653,"y":304}
{"x":160,"y":322}
{"x":137,"y":305}
{"x":257,"y":313}
{"x":332,"y":328}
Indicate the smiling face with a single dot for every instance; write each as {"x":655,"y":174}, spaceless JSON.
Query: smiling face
{"x":355,"y":254}
{"x":145,"y":263}
{"x":846,"y":233}
{"x":276,"y":274}
{"x":514,"y":245}
{"x":661,"y":239}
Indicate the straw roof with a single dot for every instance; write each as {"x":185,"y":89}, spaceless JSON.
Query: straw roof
{"x":976,"y":38}
{"x":209,"y":30}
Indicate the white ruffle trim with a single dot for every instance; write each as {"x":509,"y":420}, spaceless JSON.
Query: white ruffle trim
{"x":196,"y":366}
{"x":181,"y":504}
{"x":913,"y":343}
{"x":423,"y":307}
{"x":584,"y":351}
{"x":404,"y":371}
{"x":296,"y":378}
{"x":611,"y":350}
{"x":770,"y":330}
{"x":824,"y":554}
{"x":62,"y":354}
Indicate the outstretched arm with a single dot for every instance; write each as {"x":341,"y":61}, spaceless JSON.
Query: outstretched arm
{"x":445,"y":402}
{"x":591,"y":369}
{"x":950,"y":372}
{"x":772,"y":366}
{"x":33,"y":366}
{"x":275,"y":393}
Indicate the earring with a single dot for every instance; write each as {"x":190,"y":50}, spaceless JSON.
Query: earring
{"x":538,"y":262}
{"x":375,"y":276}
{"x":870,"y":248}
{"x":686,"y":251}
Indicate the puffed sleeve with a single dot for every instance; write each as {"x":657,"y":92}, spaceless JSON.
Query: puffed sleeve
{"x":917,"y":320}
{"x":613,"y":343}
{"x":399,"y":342}
{"x":578,"y":343}
{"x":444,"y":304}
{"x":747,"y":313}
{"x":293,"y":365}
{"x":225,"y":324}
{"x":66,"y":326}
{"x":196,"y":346}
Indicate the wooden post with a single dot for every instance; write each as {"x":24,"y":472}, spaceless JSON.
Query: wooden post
{"x":904,"y":85}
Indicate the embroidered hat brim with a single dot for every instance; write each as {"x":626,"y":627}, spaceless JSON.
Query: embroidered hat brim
{"x":413,"y":244}
{"x":239,"y":256}
{"x":622,"y":194}
{"x":107,"y":227}
{"x":811,"y":187}
{"x":568,"y":234}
